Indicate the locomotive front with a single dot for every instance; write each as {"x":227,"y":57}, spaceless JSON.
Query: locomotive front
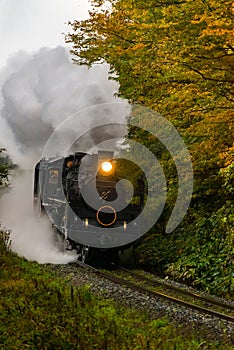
{"x":87,"y":202}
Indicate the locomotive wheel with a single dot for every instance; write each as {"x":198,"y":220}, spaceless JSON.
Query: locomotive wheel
{"x":84,"y":253}
{"x":68,"y":245}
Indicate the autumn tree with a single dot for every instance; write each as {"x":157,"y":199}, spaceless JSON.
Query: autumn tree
{"x":173,"y":56}
{"x":176,"y":57}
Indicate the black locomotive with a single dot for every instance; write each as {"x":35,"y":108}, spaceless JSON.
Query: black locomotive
{"x":88,"y":204}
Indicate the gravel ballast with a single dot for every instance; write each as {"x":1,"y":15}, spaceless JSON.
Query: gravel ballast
{"x":205,"y":326}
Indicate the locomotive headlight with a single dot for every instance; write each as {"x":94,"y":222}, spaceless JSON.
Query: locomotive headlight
{"x":106,"y":167}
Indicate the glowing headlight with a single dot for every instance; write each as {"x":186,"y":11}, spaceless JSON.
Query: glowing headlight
{"x":106,"y":167}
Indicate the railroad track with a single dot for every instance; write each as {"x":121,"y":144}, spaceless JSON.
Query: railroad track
{"x":186,"y":298}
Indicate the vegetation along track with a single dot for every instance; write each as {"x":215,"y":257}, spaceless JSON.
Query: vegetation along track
{"x":204,"y":304}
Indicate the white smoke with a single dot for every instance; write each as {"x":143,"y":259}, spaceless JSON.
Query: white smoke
{"x":38,"y":92}
{"x":31,"y":237}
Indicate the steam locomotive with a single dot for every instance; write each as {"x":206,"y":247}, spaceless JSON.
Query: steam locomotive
{"x":88,"y":204}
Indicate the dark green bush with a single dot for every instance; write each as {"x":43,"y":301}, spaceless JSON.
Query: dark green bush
{"x":207,"y":260}
{"x":200,"y":253}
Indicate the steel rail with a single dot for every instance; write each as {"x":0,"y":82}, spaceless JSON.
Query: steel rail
{"x":131,"y":285}
{"x":204,"y":298}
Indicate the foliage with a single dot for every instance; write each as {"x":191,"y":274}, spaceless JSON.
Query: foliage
{"x":206,"y":261}
{"x":199,"y":253}
{"x":4,"y":169}
{"x":40,"y":311}
{"x":175,"y":56}
{"x":228,"y":175}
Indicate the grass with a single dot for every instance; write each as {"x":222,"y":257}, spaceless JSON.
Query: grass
{"x":41,"y":311}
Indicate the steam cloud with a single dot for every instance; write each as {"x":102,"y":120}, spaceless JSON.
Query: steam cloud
{"x":31,"y":237}
{"x":38,"y":92}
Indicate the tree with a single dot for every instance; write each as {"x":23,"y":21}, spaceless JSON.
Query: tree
{"x":4,"y":170}
{"x":176,"y":57}
{"x":173,"y":56}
